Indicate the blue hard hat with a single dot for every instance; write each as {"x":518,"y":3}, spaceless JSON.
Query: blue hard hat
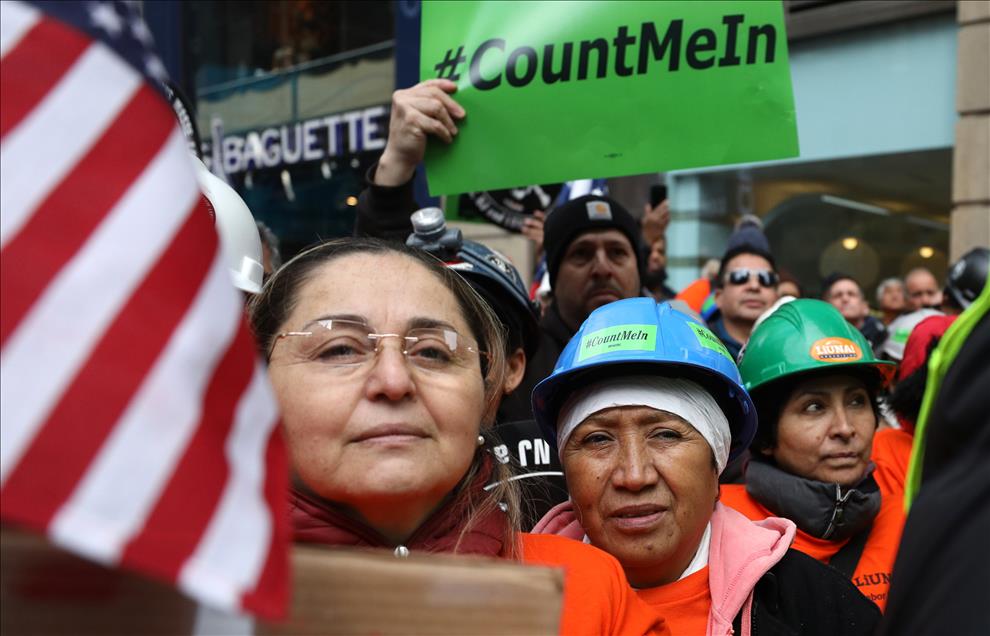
{"x":638,"y":336}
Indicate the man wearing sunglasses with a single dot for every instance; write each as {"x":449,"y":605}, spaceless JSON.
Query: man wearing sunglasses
{"x":746,"y":286}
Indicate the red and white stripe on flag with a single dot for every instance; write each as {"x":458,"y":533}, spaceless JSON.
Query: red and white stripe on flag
{"x":137,"y":426}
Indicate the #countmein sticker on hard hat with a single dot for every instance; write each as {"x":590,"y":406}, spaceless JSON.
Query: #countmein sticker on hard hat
{"x":618,"y":338}
{"x":835,"y":350}
{"x":709,"y":340}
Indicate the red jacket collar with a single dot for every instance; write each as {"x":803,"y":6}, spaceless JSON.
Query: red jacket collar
{"x":316,"y":520}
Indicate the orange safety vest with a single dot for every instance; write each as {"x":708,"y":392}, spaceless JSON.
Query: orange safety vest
{"x":891,"y":454}
{"x":872,"y":573}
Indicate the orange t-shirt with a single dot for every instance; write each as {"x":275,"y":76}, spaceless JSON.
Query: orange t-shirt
{"x":597,"y":598}
{"x":872,"y":573}
{"x":891,"y":454}
{"x":684,"y":604}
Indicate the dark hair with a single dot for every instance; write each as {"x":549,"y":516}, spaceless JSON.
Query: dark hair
{"x":506,"y":313}
{"x":787,"y":277}
{"x":829,"y":281}
{"x":270,"y":309}
{"x":769,"y":399}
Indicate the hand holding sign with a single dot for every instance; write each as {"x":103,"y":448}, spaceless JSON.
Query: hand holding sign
{"x":418,"y":112}
{"x":570,"y":90}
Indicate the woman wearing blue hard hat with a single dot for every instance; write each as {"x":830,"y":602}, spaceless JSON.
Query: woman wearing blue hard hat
{"x":646,"y":407}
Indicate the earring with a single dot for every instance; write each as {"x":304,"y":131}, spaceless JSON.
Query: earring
{"x":481,"y":440}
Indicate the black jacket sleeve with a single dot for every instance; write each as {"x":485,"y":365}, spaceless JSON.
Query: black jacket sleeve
{"x":383,"y":211}
{"x":802,"y":597}
{"x":941,"y":578}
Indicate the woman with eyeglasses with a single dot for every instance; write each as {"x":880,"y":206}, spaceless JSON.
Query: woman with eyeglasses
{"x":814,"y":380}
{"x":388,"y":367}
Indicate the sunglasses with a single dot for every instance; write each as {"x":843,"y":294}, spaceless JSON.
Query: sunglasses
{"x":766,"y":277}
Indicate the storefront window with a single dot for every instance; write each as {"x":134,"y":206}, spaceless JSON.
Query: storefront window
{"x":233,"y":40}
{"x":814,"y":235}
{"x":292,"y":103}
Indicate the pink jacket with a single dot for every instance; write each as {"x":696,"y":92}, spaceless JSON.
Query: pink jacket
{"x":741,"y":552}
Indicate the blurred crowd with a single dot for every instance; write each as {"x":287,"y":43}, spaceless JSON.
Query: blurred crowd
{"x":731,"y":457}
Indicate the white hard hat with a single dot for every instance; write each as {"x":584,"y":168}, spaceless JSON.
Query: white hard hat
{"x":238,"y":232}
{"x":899,"y":330}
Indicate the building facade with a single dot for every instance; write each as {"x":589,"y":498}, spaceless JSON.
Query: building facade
{"x":292,"y":103}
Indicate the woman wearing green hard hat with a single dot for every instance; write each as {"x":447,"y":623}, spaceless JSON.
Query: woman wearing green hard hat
{"x":645,"y":407}
{"x":814,"y":380}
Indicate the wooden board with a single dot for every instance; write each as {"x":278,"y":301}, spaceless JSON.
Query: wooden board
{"x":44,"y":590}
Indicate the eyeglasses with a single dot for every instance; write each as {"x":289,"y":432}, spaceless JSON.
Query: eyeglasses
{"x":348,"y":345}
{"x":766,"y":277}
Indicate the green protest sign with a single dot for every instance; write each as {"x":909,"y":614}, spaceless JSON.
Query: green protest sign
{"x":556,"y":91}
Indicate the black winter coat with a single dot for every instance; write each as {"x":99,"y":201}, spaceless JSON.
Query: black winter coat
{"x":799,"y":608}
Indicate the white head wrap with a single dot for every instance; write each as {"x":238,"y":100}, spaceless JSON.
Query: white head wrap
{"x":683,"y":398}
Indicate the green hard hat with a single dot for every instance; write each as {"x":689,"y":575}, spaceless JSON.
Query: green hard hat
{"x":805,"y":335}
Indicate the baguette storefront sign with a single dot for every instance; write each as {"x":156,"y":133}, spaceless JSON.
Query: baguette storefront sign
{"x":557,"y":91}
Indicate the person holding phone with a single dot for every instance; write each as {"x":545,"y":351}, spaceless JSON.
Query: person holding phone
{"x":656,"y":218}
{"x":656,"y":214}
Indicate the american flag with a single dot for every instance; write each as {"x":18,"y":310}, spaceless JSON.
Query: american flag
{"x":137,"y":426}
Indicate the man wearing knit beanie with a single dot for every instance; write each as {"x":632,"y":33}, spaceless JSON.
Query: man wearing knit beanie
{"x":746,"y":285}
{"x":594,"y":256}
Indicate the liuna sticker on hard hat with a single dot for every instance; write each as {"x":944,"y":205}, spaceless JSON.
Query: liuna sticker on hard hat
{"x":618,"y":338}
{"x":835,"y":350}
{"x":707,"y":339}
